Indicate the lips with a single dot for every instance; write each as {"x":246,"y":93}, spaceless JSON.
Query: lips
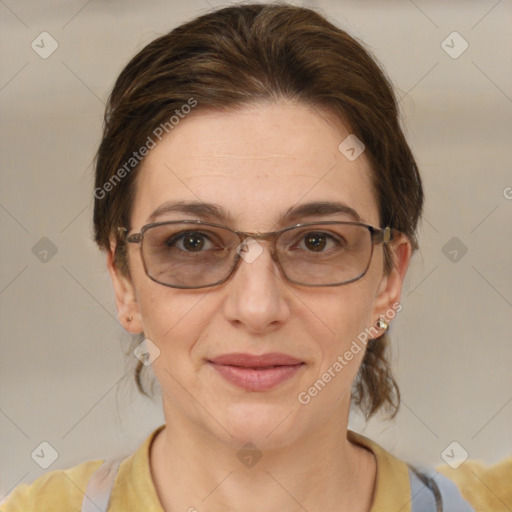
{"x":250,"y":361}
{"x":256,"y":373}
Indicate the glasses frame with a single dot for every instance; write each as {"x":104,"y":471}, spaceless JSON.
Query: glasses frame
{"x":377,"y":235}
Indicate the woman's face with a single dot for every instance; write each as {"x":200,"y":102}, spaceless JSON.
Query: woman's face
{"x":255,"y":163}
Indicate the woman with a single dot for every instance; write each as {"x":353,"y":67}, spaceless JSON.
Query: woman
{"x":258,"y":204}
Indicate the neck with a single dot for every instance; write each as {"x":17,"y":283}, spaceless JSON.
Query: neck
{"x":193,"y":470}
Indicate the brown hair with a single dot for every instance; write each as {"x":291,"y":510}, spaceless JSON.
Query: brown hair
{"x":237,"y":55}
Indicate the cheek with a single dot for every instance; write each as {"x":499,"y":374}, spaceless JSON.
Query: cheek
{"x":173,"y":322}
{"x":340,"y":352}
{"x":170,"y":317}
{"x":345,"y":319}
{"x":168,"y":314}
{"x":349,"y":312}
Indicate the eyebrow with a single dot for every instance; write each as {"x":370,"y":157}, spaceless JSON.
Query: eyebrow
{"x":212,"y":211}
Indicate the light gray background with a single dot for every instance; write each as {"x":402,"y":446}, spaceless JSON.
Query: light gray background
{"x":62,"y":348}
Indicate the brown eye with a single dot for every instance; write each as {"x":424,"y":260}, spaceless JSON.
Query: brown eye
{"x":319,"y":241}
{"x":190,"y":241}
{"x":315,"y":241}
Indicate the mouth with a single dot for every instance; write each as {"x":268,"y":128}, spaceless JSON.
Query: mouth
{"x":256,"y":373}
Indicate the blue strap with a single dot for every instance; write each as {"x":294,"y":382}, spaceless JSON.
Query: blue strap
{"x":423,"y":495}
{"x":433,"y":492}
{"x":451,"y":495}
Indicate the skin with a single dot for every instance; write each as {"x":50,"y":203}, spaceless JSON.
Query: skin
{"x":256,"y":162}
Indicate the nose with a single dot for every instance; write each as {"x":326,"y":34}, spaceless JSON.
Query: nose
{"x":258,"y":297}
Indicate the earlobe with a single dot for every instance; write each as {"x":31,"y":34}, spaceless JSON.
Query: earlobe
{"x":125,"y":297}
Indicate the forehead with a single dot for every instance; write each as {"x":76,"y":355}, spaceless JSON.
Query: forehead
{"x":256,"y":163}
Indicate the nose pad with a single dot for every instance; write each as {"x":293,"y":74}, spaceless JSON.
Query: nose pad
{"x":250,"y":249}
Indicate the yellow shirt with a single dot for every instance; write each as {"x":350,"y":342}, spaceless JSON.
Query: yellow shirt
{"x":488,"y":489}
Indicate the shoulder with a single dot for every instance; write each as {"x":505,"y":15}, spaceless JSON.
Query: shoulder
{"x":486,"y":487}
{"x":58,"y":491}
{"x":64,"y":490}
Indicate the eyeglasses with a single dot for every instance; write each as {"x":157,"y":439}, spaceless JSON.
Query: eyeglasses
{"x":196,"y":254}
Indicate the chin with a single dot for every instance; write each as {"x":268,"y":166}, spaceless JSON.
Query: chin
{"x":265,"y":425}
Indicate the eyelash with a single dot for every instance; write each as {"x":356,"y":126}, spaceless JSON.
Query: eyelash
{"x":181,"y":236}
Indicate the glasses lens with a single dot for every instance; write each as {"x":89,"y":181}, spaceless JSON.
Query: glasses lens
{"x":325,"y":254}
{"x":195,"y":256}
{"x":184,"y":255}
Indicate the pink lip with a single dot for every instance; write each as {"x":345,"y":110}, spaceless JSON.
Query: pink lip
{"x":256,"y":373}
{"x":250,"y":361}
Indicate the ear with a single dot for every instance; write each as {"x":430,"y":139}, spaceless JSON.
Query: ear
{"x":126,"y":299}
{"x":387,"y":300}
